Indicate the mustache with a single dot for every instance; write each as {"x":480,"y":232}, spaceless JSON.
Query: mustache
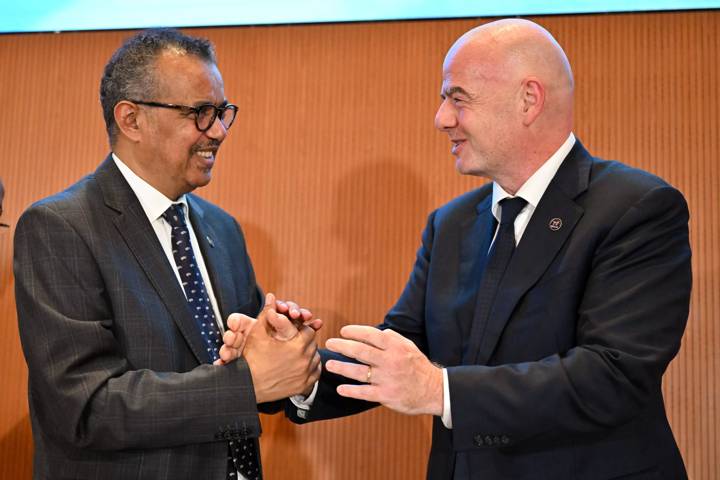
{"x":211,"y":145}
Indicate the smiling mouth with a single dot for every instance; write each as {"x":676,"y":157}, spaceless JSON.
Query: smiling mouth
{"x":207,"y":154}
{"x":456,"y":144}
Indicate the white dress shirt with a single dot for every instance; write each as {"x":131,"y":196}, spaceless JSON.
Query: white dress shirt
{"x":154,"y":205}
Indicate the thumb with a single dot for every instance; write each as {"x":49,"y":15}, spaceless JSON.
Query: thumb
{"x":269,"y":302}
{"x":281,"y":327}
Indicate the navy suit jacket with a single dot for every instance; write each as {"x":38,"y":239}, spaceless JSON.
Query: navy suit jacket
{"x":119,"y":385}
{"x":564,"y":379}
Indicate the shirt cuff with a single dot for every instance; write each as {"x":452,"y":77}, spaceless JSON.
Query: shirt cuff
{"x":446,"y":415}
{"x":304,"y":403}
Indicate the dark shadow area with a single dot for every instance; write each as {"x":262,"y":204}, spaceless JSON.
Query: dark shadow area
{"x":16,"y":451}
{"x":379,"y":211}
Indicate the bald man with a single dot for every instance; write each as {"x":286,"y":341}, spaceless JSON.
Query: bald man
{"x":544,"y":307}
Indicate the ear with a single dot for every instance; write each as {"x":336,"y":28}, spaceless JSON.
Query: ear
{"x":533,"y":100}
{"x":126,"y":117}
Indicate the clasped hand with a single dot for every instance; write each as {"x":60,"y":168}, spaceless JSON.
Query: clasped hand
{"x":279,"y":347}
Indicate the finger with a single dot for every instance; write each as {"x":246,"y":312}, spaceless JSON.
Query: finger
{"x":293,"y":310}
{"x":281,"y":306}
{"x":283,"y":328}
{"x":307,"y":336}
{"x":317,"y":362}
{"x":363,"y":333}
{"x":354,"y":371}
{"x":316,"y":324}
{"x":230,"y":338}
{"x":219,"y":361}
{"x":315,"y":367}
{"x":233,"y":322}
{"x":289,"y":308}
{"x":357,"y":350}
{"x":234,"y":340}
{"x":239,"y":322}
{"x":228,"y":354}
{"x":246,"y":324}
{"x":366,"y":392}
{"x":306,"y":315}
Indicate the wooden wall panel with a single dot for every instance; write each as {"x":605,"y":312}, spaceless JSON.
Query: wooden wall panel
{"x":333,"y":166}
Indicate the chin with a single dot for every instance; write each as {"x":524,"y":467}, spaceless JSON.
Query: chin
{"x":469,"y":167}
{"x":198,"y":183}
{"x":463,"y":168}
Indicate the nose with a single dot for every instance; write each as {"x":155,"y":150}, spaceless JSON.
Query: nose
{"x":445,"y":117}
{"x":217,"y":130}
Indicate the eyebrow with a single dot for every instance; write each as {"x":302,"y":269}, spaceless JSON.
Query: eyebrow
{"x":453,"y":90}
{"x":206,"y":102}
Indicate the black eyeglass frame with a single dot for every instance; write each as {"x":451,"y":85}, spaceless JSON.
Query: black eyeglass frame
{"x":196,"y":110}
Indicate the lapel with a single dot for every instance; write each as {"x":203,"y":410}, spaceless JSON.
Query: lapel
{"x":133,"y":226}
{"x":216,"y":256}
{"x":476,"y":235}
{"x":538,"y":246}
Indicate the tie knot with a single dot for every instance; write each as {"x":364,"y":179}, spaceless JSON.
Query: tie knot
{"x":510,"y":209}
{"x":175,"y":215}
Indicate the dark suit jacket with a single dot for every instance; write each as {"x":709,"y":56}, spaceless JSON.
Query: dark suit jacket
{"x":118,"y":384}
{"x":564,"y":380}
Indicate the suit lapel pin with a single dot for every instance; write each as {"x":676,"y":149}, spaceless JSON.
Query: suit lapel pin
{"x":555,"y":224}
{"x":210,"y":241}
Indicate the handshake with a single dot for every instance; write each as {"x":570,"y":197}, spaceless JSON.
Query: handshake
{"x":280,"y":349}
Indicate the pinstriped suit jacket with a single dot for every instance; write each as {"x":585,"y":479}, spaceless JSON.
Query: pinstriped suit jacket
{"x":117,"y":384}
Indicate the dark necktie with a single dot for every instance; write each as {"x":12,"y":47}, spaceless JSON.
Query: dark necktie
{"x":498,"y":259}
{"x":241,"y":453}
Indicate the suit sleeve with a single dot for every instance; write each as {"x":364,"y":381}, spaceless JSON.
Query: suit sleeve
{"x":406,"y":318}
{"x":630,"y":320}
{"x":83,"y":390}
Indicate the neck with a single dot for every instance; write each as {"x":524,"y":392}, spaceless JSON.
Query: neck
{"x":529,"y":160}
{"x":136,"y":162}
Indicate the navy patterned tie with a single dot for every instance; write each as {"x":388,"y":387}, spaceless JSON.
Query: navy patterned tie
{"x":241,"y":454}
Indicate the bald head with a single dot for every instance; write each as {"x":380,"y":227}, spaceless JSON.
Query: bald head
{"x":512,"y":49}
{"x":513,"y":80}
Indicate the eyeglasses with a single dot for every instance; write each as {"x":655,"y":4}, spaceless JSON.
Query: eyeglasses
{"x":205,"y":115}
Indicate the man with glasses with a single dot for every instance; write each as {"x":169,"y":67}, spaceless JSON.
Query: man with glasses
{"x":126,"y":281}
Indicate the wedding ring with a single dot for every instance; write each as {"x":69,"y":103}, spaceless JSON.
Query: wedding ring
{"x":368,"y":378}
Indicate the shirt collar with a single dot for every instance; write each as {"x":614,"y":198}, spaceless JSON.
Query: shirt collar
{"x":152,"y":201}
{"x":534,"y":187}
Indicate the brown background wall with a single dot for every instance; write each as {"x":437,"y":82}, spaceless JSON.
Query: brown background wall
{"x":333,"y":166}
